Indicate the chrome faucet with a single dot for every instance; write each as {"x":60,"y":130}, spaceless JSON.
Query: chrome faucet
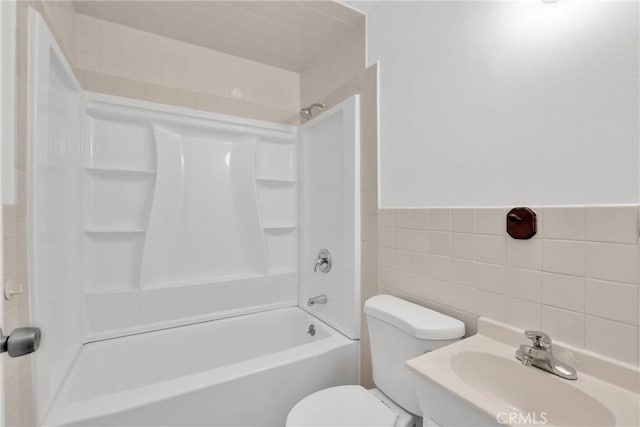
{"x":320,"y":299}
{"x":323,"y":261}
{"x":540,"y":355}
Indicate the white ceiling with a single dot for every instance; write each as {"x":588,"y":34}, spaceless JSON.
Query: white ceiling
{"x":285,"y":34}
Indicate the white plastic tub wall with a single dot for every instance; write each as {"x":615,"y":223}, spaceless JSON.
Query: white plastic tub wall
{"x":242,"y":371}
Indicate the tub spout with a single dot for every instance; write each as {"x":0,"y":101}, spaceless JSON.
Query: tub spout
{"x":320,"y":299}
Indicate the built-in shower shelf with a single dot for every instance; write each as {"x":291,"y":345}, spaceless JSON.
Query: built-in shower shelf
{"x":283,"y":272}
{"x":114,"y":231}
{"x":203,"y":282}
{"x":118,"y":170}
{"x":113,"y":291}
{"x":276,"y":181}
{"x":268,"y":227}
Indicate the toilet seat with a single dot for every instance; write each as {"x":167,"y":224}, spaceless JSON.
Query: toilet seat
{"x":350,"y":405}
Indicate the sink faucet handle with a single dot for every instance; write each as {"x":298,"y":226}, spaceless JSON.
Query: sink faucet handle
{"x":539,"y":339}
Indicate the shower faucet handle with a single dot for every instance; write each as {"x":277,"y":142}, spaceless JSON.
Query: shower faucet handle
{"x":323,"y":262}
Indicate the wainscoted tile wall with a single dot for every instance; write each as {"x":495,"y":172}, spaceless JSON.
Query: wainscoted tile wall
{"x":577,"y":279}
{"x":120,"y":60}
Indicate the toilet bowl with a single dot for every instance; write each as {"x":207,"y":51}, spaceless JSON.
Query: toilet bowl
{"x":398,"y":331}
{"x":350,"y":405}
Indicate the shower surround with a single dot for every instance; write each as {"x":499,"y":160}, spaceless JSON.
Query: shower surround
{"x":145,"y":217}
{"x":175,"y":201}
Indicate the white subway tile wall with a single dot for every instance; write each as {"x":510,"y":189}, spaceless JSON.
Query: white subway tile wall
{"x":577,"y":279}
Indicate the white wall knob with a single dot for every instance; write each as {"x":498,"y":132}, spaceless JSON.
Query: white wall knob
{"x":12,"y":288}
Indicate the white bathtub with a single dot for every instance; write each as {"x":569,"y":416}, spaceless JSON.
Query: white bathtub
{"x":242,"y":371}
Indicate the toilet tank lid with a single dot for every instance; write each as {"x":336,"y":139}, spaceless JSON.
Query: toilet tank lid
{"x":417,"y":321}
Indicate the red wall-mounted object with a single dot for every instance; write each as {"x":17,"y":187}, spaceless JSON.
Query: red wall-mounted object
{"x":522,"y":223}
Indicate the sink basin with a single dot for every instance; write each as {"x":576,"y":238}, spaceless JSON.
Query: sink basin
{"x":477,"y":382}
{"x":529,"y":390}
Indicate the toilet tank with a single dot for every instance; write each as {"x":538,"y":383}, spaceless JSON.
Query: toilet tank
{"x":399,"y":331}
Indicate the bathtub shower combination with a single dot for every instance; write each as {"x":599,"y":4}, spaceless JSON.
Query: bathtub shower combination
{"x":172,"y":256}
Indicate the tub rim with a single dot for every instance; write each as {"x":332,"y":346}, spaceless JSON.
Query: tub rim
{"x":62,"y":412}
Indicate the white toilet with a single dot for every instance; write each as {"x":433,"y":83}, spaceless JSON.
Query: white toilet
{"x":398,"y":331}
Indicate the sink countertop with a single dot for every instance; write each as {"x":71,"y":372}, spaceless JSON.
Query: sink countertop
{"x":614,"y":385}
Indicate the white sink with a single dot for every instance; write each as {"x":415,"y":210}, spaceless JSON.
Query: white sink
{"x":479,"y":382}
{"x":530,"y":391}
